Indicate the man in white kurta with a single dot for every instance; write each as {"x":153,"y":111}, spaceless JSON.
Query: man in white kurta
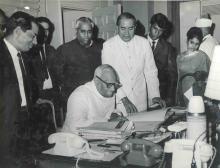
{"x":208,"y":42}
{"x":131,"y":56}
{"x":93,"y":101}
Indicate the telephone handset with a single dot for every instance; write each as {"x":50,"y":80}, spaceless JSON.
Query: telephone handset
{"x":141,"y":152}
{"x":69,"y":144}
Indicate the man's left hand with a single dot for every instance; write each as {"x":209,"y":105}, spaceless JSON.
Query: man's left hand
{"x":160,"y":101}
{"x":117,"y":117}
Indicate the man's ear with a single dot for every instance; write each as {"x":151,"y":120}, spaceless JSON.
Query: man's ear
{"x":18,"y":30}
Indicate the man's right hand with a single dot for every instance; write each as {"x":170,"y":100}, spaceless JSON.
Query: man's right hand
{"x":129,"y":106}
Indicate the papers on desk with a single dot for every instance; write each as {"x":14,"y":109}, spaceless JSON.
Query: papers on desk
{"x":106,"y":130}
{"x":147,"y":121}
{"x":156,"y":115}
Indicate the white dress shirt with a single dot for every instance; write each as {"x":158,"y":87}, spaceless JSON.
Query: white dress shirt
{"x":151,"y":41}
{"x":14,"y":52}
{"x":208,"y":44}
{"x":134,"y":62}
{"x":47,"y":82}
{"x":86,"y":106}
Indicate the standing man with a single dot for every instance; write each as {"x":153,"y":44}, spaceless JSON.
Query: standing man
{"x":77,"y":60}
{"x":15,"y":97}
{"x":42,"y":60}
{"x":208,"y":42}
{"x":164,"y":56}
{"x":131,"y":56}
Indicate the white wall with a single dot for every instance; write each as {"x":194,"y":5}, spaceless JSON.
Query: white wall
{"x":160,"y":7}
{"x":53,"y":12}
{"x":139,"y":9}
{"x":189,"y":12}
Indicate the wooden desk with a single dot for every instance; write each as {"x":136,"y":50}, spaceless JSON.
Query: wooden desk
{"x":50,"y":161}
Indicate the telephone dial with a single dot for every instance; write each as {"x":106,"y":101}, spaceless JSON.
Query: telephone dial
{"x":141,"y":152}
{"x":69,"y":144}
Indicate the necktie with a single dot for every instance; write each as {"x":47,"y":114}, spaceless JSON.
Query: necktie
{"x":24,"y":75}
{"x":44,"y":64}
{"x":153,"y":45}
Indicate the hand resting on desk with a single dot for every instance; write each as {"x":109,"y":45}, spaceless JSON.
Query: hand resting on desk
{"x":117,"y":117}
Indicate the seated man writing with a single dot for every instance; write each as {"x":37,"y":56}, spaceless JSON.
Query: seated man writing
{"x":94,"y":101}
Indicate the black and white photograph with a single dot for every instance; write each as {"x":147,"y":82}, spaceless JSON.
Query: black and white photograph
{"x":109,"y":83}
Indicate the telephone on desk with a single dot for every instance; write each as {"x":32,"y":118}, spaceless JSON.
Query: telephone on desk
{"x":69,"y":144}
{"x":141,"y":152}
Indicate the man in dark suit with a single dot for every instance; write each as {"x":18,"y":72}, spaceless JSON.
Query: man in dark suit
{"x":77,"y":60}
{"x":164,"y":55}
{"x":15,"y":85}
{"x":42,"y":59}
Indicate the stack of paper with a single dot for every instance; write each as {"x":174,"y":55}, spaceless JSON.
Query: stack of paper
{"x":106,"y":130}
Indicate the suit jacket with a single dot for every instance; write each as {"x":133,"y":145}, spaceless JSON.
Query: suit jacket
{"x":165,"y":59}
{"x":135,"y":65}
{"x":76,"y":64}
{"x":37,"y":65}
{"x":10,"y":99}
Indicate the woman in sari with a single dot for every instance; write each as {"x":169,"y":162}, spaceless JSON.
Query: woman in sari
{"x":190,"y":64}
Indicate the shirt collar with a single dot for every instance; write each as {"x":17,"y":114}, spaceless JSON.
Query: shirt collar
{"x":13,"y":51}
{"x":207,"y":36}
{"x":150,"y":39}
{"x":91,"y":43}
{"x":125,"y":43}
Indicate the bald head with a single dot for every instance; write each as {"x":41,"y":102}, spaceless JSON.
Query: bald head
{"x":106,"y":80}
{"x":103,"y":69}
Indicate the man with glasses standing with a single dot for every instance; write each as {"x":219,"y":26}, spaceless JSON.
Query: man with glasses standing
{"x":94,"y":101}
{"x":131,"y":56}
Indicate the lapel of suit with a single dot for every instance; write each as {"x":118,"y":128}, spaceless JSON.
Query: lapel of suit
{"x":157,"y":49}
{"x":9,"y":75}
{"x":9,"y":70}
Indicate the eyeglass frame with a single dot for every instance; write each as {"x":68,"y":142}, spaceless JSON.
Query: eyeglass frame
{"x":109,"y":85}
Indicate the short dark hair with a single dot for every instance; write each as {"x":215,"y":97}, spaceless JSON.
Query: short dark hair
{"x":126,"y":15}
{"x":21,"y":19}
{"x":162,"y":21}
{"x":194,"y":32}
{"x":46,"y":20}
{"x":51,"y":27}
{"x":4,"y":19}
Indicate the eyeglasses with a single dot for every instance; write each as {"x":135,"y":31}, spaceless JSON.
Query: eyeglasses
{"x":109,"y":85}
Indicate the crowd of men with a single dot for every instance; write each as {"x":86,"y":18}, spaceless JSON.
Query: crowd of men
{"x":86,"y":79}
